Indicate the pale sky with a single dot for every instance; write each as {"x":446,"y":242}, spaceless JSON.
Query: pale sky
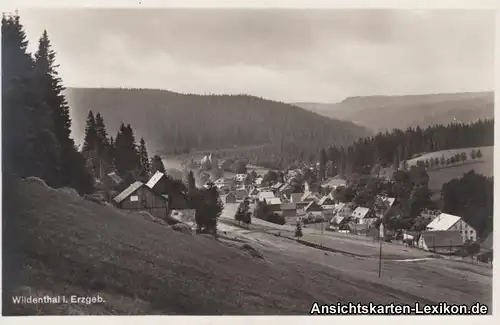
{"x":286,"y":55}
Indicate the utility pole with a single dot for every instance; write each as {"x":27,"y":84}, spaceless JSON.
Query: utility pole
{"x":380,"y":260}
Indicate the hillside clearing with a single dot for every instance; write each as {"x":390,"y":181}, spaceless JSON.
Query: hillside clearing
{"x":440,"y":176}
{"x":57,"y":244}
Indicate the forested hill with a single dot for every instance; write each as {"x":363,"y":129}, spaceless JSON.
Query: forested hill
{"x":381,"y":113}
{"x":169,"y":120}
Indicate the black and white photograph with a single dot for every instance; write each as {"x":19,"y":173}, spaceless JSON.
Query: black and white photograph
{"x":247,"y":161}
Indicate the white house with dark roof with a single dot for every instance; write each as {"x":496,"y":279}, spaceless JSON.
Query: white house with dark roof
{"x":451,"y":222}
{"x":266,"y":195}
{"x":240,"y":177}
{"x":361,"y":215}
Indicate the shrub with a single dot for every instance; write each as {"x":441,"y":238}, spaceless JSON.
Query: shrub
{"x":252,"y":251}
{"x":183,"y":228}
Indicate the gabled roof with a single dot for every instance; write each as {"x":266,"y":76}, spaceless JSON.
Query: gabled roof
{"x":326,"y":199}
{"x":155,"y":179}
{"x":334,"y":182}
{"x":360,"y":212}
{"x":115,"y":178}
{"x":443,"y":221}
{"x":389,"y":200}
{"x":127,"y":192}
{"x":266,"y":195}
{"x":312,"y":205}
{"x":241,"y":192}
{"x":309,"y":196}
{"x":296,"y":197}
{"x":276,"y":186}
{"x":289,"y":206}
{"x":273,"y":201}
{"x":228,"y":194}
{"x":337,"y":219}
{"x":442,"y":238}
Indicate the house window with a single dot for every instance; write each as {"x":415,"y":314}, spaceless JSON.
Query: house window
{"x":471,"y":231}
{"x":134,"y":198}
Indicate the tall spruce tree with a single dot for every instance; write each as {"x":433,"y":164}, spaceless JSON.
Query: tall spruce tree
{"x":50,"y":90}
{"x":30,"y":146}
{"x":157,"y":165}
{"x":126,"y":154}
{"x":101,"y":135}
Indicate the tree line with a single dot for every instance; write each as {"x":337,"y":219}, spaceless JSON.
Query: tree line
{"x":397,"y":147}
{"x":121,"y":153}
{"x":36,"y":123}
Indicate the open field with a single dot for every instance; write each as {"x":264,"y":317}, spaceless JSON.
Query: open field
{"x":58,"y":244}
{"x":440,"y":176}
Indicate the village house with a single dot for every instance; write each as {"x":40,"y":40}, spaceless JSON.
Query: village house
{"x":138,"y":197}
{"x":444,"y":222}
{"x":313,"y":207}
{"x":224,"y":182}
{"x":327,"y":200}
{"x":297,"y":199}
{"x":265,"y":195}
{"x":111,"y":185}
{"x":334,"y":182}
{"x":362,"y":216}
{"x":229,"y":198}
{"x":274,"y":204}
{"x":289,"y":209}
{"x":308,"y":197}
{"x":258,"y":181}
{"x":241,"y":177}
{"x":440,"y":241}
{"x":343,"y":210}
{"x":240,"y":194}
{"x":160,"y":184}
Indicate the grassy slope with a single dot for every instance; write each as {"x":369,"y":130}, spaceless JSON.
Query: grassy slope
{"x":61,"y":245}
{"x":440,"y":176}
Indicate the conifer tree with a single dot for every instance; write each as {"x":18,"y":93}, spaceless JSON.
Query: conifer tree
{"x":191,"y":182}
{"x":143,"y":157}
{"x":30,"y":146}
{"x":50,"y":89}
{"x":157,"y":165}
{"x":90,"y":139}
{"x":102,"y":142}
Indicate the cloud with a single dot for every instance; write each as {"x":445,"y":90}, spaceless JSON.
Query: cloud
{"x":287,"y":55}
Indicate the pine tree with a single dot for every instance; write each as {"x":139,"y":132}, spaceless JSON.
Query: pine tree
{"x":50,"y":90}
{"x":157,"y":165}
{"x":102,"y":142}
{"x":144,"y":159}
{"x":191,"y":182}
{"x":298,"y":230}
{"x":126,"y":154}
{"x":30,"y":147}
{"x":479,"y":154}
{"x":473,"y":154}
{"x":90,"y":139}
